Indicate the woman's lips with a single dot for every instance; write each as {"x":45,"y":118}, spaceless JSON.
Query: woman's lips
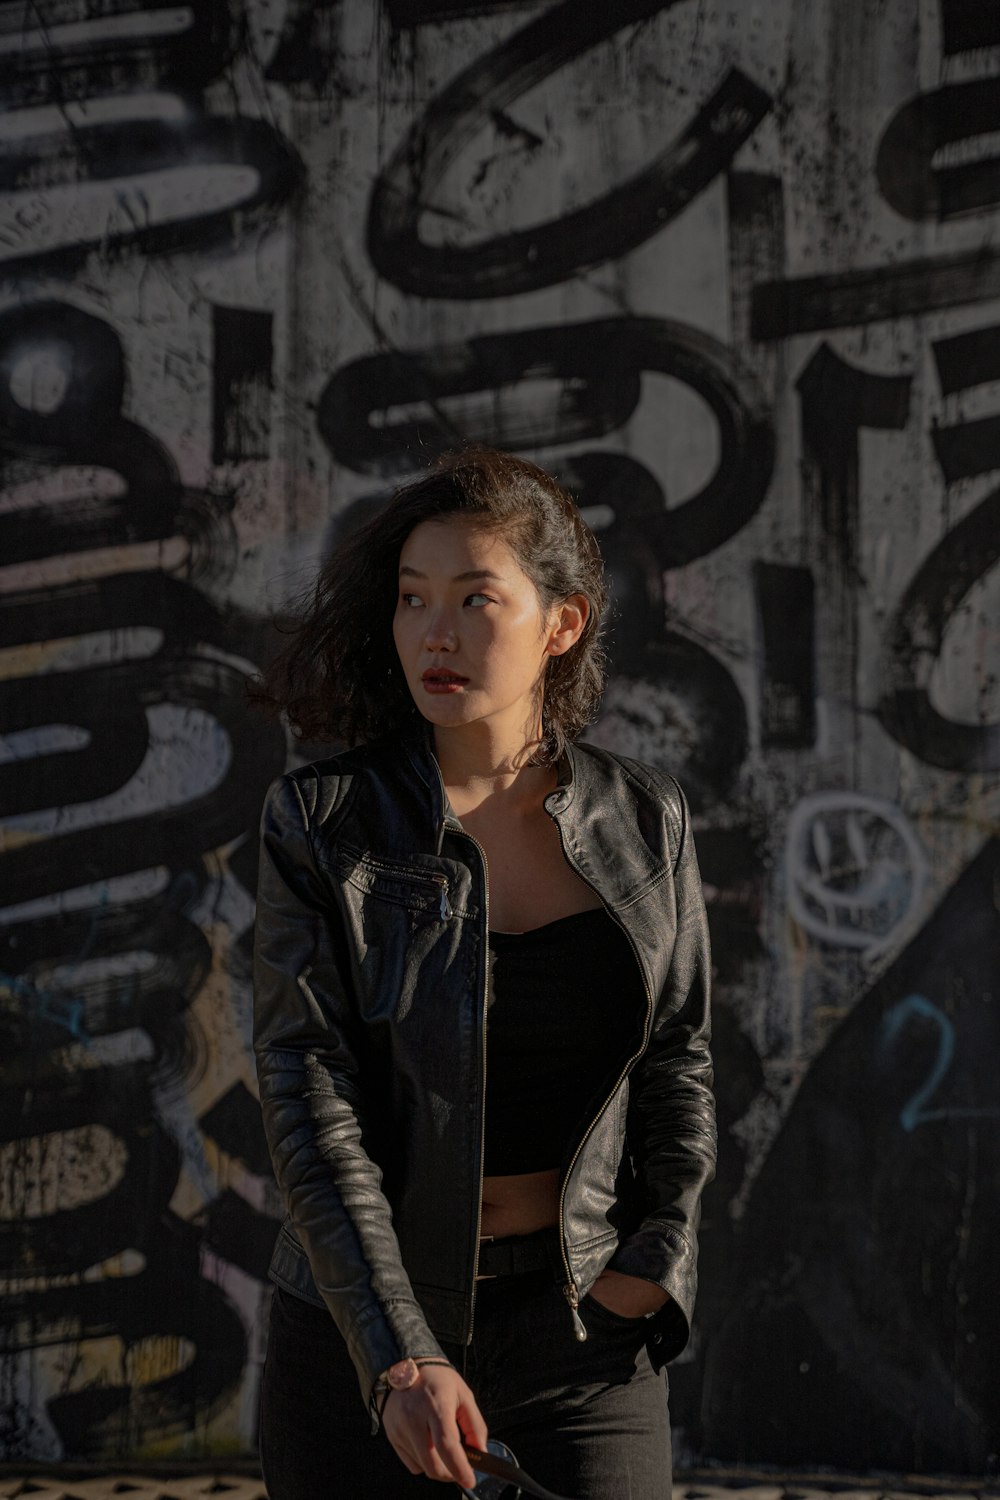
{"x":441,"y":680}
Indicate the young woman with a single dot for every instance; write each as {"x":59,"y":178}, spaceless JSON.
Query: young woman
{"x":481,"y":1019}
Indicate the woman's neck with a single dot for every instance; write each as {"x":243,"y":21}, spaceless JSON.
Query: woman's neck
{"x":477,"y":769}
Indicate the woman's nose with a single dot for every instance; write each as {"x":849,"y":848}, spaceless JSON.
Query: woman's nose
{"x":440,"y":633}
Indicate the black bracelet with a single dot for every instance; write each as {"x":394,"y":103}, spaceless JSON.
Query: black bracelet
{"x":381,"y":1393}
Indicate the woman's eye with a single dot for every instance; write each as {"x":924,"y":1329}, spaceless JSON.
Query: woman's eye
{"x":478,"y":599}
{"x":411,"y":601}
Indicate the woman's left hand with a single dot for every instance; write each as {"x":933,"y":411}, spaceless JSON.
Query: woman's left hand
{"x":628,"y":1296}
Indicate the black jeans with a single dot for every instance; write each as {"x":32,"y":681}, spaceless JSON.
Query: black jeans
{"x":588,"y":1420}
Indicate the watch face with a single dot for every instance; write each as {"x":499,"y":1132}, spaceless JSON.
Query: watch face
{"x":402,"y":1375}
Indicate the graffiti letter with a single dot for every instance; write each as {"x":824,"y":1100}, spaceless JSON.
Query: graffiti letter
{"x":595,"y":369}
{"x":904,"y":164}
{"x":526,"y":259}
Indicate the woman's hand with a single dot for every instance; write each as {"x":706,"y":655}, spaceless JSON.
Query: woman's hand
{"x":628,"y":1296}
{"x":427,"y":1422}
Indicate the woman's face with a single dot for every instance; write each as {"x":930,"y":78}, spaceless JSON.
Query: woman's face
{"x":470,"y":631}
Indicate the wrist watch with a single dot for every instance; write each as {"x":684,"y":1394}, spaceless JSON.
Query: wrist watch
{"x":398,"y":1377}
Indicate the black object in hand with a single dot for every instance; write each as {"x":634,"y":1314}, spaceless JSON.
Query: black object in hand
{"x":505,"y":1466}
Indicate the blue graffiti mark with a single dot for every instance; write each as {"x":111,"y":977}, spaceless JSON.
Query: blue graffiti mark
{"x":914,"y":1112}
{"x":49,"y":1005}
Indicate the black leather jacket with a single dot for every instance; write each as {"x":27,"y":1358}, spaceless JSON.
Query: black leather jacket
{"x":370,"y":991}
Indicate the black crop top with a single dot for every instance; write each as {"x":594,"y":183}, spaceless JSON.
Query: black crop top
{"x":565,"y":1011}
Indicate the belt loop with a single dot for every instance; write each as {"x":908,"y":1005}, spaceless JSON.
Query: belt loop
{"x":486,"y":1239}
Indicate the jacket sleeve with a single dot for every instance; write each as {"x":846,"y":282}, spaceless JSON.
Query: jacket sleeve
{"x":672,"y":1108}
{"x":309,"y":1050}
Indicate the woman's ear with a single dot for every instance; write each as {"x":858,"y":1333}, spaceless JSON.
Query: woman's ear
{"x":567,"y":624}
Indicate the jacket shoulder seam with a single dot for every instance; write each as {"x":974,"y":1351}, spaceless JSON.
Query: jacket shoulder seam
{"x":650,"y":778}
{"x":333,"y":781}
{"x":662,"y":784}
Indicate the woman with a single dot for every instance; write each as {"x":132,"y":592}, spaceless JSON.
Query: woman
{"x":481,"y":1019}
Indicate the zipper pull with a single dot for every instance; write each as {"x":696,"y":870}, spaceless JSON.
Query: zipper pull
{"x":573,"y":1298}
{"x":444,"y":909}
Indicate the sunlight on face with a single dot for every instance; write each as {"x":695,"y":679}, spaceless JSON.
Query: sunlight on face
{"x":469,"y":628}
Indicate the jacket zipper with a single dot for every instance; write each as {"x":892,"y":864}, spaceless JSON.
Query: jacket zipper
{"x":571,"y":1291}
{"x":486,"y":980}
{"x":482,"y":1118}
{"x":421,"y":877}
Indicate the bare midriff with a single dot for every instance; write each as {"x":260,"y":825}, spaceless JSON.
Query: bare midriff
{"x":519,"y":1203}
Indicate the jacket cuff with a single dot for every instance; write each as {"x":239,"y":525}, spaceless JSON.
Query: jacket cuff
{"x":656,"y":1252}
{"x":397,"y":1331}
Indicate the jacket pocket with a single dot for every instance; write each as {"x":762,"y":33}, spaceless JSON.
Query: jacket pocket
{"x":417,"y":890}
{"x":595,"y":1310}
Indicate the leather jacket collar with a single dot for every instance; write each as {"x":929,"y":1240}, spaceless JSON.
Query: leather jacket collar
{"x":419,"y":748}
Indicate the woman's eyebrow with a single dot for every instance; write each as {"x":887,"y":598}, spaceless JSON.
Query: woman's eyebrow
{"x":474,"y":573}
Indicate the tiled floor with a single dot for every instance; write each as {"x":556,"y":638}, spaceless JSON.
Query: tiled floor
{"x":133,"y":1487}
{"x":826,"y":1487}
{"x":83,"y":1485}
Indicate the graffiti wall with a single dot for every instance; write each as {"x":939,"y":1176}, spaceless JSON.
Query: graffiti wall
{"x":730,"y":271}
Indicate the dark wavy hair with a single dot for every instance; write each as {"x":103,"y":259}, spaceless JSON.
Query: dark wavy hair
{"x":339,"y":679}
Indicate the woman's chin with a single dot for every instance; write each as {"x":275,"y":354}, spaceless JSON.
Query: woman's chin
{"x":445,"y":711}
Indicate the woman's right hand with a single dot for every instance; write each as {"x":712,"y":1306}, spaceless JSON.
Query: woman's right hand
{"x":427,"y":1422}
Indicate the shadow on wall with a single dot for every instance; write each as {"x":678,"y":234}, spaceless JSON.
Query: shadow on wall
{"x":863,"y":1321}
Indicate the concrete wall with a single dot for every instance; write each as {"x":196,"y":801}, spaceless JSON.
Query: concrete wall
{"x":728,"y":268}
